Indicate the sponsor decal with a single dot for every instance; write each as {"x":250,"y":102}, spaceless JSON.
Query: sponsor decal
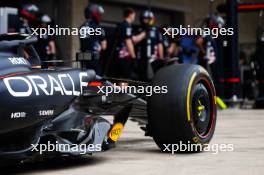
{"x":35,"y":84}
{"x":46,"y":112}
{"x":17,"y":60}
{"x":116,"y":131}
{"x":18,"y":115}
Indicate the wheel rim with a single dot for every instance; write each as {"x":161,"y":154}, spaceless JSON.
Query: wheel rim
{"x":201,"y":110}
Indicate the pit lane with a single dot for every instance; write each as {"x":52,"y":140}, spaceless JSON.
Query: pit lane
{"x":136,"y":154}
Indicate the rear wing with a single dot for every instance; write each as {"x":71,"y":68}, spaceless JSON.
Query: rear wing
{"x":8,"y":41}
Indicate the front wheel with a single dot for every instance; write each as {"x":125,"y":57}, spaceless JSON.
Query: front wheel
{"x":186,"y":114}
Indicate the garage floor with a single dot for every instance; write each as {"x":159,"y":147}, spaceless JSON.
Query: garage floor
{"x":136,"y":154}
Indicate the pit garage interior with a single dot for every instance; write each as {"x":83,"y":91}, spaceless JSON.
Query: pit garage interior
{"x":134,"y":153}
{"x":168,"y":12}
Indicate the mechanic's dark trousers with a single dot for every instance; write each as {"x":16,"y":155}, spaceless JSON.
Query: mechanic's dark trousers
{"x":217,"y":75}
{"x":216,"y":71}
{"x":126,"y":68}
{"x":142,"y":69}
{"x":157,"y":65}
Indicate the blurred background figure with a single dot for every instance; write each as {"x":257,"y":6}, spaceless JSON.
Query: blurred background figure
{"x":211,"y":52}
{"x":45,"y":46}
{"x":126,"y":40}
{"x":150,"y":48}
{"x":171,"y":46}
{"x":259,"y":62}
{"x":28,"y":14}
{"x":123,"y":46}
{"x":189,"y":49}
{"x":95,"y":44}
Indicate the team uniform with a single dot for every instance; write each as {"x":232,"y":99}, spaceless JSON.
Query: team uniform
{"x":42,"y":47}
{"x":92,"y":43}
{"x":125,"y":65}
{"x":147,"y":50}
{"x":189,"y":51}
{"x":167,"y":42}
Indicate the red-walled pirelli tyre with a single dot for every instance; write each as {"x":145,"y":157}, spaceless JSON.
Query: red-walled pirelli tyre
{"x":186,"y":114}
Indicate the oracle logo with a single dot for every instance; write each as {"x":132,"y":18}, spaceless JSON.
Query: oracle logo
{"x":35,"y":84}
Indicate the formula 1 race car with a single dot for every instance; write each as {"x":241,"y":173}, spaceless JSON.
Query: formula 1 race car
{"x":66,"y":106}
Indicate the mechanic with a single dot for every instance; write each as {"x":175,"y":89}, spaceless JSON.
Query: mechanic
{"x":150,"y":49}
{"x":190,"y":47}
{"x":94,"y":44}
{"x":211,"y":53}
{"x":126,"y":41}
{"x":45,"y":46}
{"x":28,"y":14}
{"x":171,"y":45}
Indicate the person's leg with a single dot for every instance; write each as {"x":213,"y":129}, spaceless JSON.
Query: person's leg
{"x":143,"y":67}
{"x":125,"y":68}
